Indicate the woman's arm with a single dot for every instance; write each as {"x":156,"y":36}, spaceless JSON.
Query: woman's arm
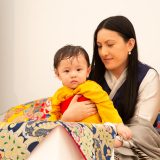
{"x":148,"y":104}
{"x":78,"y":111}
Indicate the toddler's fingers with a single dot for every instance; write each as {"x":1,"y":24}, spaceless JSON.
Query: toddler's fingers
{"x":127,"y":136}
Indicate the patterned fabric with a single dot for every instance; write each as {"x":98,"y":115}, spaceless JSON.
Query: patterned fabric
{"x":17,"y":140}
{"x":35,"y":110}
{"x":25,"y":126}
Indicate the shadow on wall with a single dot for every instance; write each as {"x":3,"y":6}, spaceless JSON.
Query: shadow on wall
{"x":7,"y":95}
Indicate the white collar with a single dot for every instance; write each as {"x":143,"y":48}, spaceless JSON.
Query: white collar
{"x":114,"y":83}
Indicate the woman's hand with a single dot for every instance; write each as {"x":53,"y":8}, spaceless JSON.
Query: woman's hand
{"x":78,"y":111}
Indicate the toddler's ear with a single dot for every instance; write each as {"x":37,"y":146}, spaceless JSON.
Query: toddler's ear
{"x":88,"y":71}
{"x":56,"y":72}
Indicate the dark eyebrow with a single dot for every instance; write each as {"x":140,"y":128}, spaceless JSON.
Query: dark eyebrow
{"x":110,"y":40}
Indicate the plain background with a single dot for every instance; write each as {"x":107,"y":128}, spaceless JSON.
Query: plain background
{"x":31,"y":31}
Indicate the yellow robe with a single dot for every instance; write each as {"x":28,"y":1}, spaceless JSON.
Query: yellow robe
{"x":93,"y":91}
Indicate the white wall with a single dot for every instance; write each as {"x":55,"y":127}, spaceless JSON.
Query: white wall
{"x":31,"y":31}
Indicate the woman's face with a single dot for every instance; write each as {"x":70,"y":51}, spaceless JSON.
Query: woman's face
{"x":113,"y":50}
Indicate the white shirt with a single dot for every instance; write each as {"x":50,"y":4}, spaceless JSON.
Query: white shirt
{"x":148,"y":104}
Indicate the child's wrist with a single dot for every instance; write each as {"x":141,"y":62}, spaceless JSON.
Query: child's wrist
{"x":119,"y":138}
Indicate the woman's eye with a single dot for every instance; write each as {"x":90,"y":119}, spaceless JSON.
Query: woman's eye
{"x":110,"y":45}
{"x":99,"y":46}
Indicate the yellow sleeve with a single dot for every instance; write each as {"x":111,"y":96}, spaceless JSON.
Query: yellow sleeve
{"x":96,"y":94}
{"x":55,"y":113}
{"x":60,"y":95}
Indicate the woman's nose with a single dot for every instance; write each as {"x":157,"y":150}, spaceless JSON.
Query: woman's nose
{"x":104,"y":51}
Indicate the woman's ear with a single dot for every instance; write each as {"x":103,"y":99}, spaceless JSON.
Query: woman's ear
{"x":131,"y":44}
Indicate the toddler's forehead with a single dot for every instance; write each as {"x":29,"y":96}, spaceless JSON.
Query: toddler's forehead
{"x":77,"y":58}
{"x":73,"y":61}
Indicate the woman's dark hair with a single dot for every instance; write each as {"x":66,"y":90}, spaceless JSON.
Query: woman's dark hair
{"x":125,"y":29}
{"x":69,"y":51}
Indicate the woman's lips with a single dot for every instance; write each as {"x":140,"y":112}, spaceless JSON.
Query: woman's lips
{"x":107,"y":59}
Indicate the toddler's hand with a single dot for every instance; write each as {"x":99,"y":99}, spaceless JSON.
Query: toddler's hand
{"x":124,"y":131}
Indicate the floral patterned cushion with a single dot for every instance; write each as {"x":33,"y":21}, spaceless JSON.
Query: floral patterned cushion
{"x":17,"y":140}
{"x":25,"y":126}
{"x":36,"y":110}
{"x":40,"y":110}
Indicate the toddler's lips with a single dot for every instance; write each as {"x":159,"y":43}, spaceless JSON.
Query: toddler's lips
{"x":74,"y":81}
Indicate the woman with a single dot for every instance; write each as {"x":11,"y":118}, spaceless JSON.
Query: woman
{"x":133,"y":86}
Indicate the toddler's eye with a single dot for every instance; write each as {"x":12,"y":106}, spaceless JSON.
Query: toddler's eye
{"x":79,"y":69}
{"x":66,"y":71}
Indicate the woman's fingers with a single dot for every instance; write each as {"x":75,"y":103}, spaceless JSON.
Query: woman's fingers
{"x":92,"y":109}
{"x":78,"y":111}
{"x":74,"y":99}
{"x":89,"y":109}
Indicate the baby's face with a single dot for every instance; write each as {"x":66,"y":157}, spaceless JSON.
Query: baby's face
{"x":73,"y":71}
